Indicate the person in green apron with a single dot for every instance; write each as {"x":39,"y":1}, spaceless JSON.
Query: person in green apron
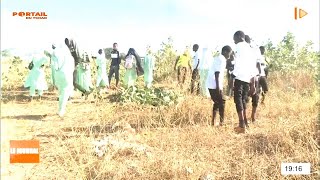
{"x":36,"y":79}
{"x":64,"y":69}
{"x":133,"y":68}
{"x":83,"y":79}
{"x":148,"y":66}
{"x":53,"y":60}
{"x":204,"y":70}
{"x":102,"y":78}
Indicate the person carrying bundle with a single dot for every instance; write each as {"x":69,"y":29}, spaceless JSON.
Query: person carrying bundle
{"x":133,"y":68}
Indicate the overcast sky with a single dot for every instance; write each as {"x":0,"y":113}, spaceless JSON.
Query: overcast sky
{"x":136,"y":23}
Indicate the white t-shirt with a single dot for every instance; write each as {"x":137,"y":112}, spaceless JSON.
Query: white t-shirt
{"x":263,"y":64}
{"x":245,"y":62}
{"x":218,"y":65}
{"x":257,"y":56}
{"x":195,"y":60}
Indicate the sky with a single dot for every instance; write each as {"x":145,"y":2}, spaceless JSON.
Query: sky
{"x":137,"y":23}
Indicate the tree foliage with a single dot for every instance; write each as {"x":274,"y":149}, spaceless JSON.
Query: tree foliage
{"x":288,"y":55}
{"x":164,"y":60}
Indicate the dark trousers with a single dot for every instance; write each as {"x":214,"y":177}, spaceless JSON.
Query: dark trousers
{"x":256,"y":96}
{"x":241,"y":91}
{"x":230,"y":85}
{"x":219,"y":103}
{"x":266,"y":71}
{"x":182,"y":73}
{"x":263,"y":84}
{"x":114,"y":70}
{"x":195,"y":81}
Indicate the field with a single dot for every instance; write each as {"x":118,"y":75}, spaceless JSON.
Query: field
{"x":174,"y":142}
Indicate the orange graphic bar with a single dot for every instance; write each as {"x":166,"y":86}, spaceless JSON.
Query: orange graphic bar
{"x":24,"y":151}
{"x":295,"y":13}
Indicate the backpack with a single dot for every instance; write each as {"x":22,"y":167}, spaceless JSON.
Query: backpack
{"x":129,"y":62}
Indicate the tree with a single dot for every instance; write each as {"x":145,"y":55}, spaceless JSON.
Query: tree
{"x":107,"y":52}
{"x":288,"y":56}
{"x":165,"y":60}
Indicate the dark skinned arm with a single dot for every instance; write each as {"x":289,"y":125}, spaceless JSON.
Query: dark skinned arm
{"x":259,"y":67}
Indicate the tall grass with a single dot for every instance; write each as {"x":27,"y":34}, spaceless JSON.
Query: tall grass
{"x":183,"y":144}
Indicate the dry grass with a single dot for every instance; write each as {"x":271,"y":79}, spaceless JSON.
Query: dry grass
{"x":184,"y":145}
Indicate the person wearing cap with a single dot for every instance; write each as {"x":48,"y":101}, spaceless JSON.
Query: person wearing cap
{"x":36,"y":79}
{"x":148,"y":66}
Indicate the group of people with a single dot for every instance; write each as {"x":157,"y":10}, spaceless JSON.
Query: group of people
{"x":70,"y":70}
{"x":247,"y":72}
{"x":245,"y":66}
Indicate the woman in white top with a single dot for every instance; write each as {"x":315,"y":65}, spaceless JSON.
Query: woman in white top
{"x":215,"y":83}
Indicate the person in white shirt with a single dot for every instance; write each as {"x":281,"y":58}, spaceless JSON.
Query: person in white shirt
{"x":195,"y":78}
{"x":244,"y":72}
{"x":215,"y":83}
{"x":255,"y":97}
{"x":230,"y":67}
{"x":263,"y":76}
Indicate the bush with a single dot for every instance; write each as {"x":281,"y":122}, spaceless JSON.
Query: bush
{"x":154,"y":97}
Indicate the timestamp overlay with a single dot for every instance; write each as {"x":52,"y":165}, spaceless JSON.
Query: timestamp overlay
{"x":295,"y":168}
